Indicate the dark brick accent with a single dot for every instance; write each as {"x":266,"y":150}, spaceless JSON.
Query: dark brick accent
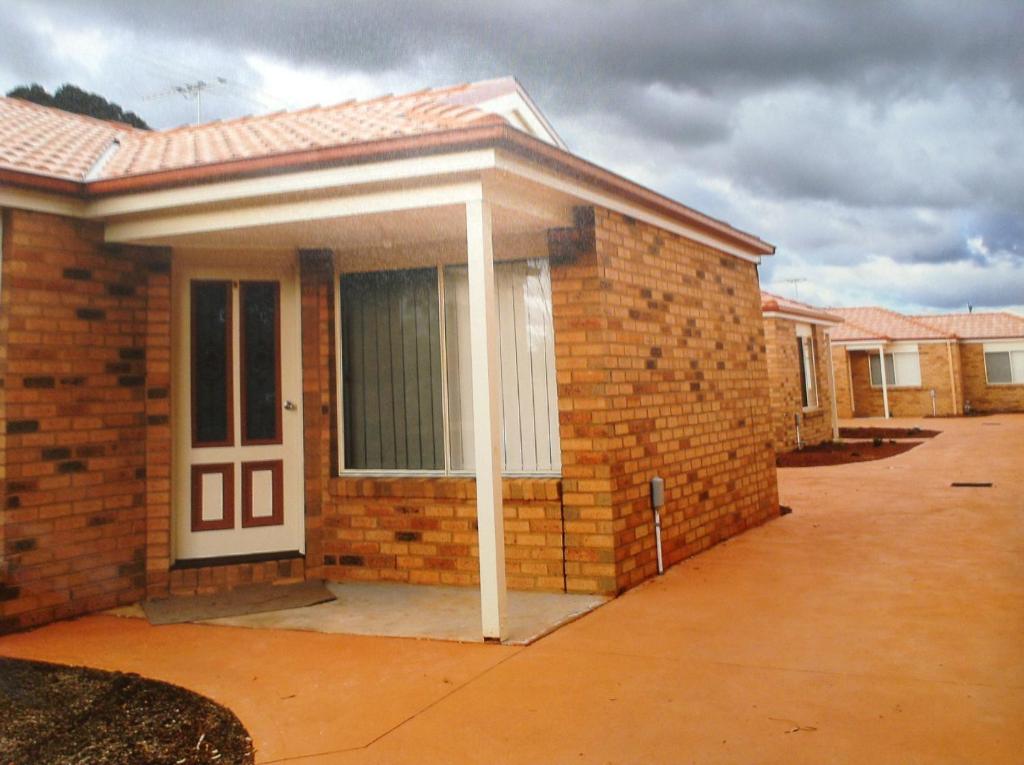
{"x":16,"y":486}
{"x":13,"y":502}
{"x":56,"y":453}
{"x":84,"y":452}
{"x":330,"y":560}
{"x":38,"y":382}
{"x":71,"y":466}
{"x":22,"y":426}
{"x":131,"y":381}
{"x":155,"y":393}
{"x":8,"y":592}
{"x":99,"y":520}
{"x":73,"y":382}
{"x":78,"y":274}
{"x":350,"y":560}
{"x":23,"y":545}
{"x":156,"y":419}
{"x":132,"y":354}
{"x":91,"y":314}
{"x":408,"y":536}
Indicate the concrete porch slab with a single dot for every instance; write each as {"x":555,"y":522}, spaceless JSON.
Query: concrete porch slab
{"x":386,"y":609}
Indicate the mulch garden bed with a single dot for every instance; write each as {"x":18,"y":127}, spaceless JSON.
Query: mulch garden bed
{"x":887,"y":433}
{"x":839,"y":453}
{"x":51,"y":713}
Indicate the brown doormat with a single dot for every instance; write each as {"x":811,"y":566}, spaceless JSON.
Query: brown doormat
{"x":247,"y":599}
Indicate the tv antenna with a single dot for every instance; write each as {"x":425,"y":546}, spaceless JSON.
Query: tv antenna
{"x":190,"y":90}
{"x":796,"y":286}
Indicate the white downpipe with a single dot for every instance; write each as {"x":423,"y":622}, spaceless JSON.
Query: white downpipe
{"x":658,"y":502}
{"x":799,"y":440}
{"x":885,"y":381}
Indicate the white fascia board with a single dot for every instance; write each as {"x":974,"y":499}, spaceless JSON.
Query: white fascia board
{"x":291,"y":212}
{"x":859,"y":345}
{"x":34,"y":201}
{"x":1012,"y":340}
{"x":995,"y":346}
{"x":602,"y":199}
{"x":800,"y":319}
{"x":399,"y":170}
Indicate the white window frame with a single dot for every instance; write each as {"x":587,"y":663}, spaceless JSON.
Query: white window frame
{"x":1012,"y":349}
{"x":447,"y":471}
{"x":805,"y":334}
{"x":894,"y":382}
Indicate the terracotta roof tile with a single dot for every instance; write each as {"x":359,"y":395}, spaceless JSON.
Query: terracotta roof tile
{"x":44,"y":141}
{"x":771,"y":302}
{"x":977,"y":326}
{"x":876,"y":323}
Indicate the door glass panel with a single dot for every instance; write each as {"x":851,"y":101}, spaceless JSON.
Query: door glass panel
{"x":260,"y":339}
{"x":211,"y":363}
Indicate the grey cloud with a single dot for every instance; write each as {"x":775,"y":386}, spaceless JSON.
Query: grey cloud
{"x":835,"y":130}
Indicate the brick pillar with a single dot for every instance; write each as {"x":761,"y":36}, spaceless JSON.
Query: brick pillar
{"x":318,"y":386}
{"x":158,"y":422}
{"x":585,"y":386}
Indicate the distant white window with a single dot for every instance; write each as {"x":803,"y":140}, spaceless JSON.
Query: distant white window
{"x":808,"y":378}
{"x":902,"y":370}
{"x":1004,"y":364}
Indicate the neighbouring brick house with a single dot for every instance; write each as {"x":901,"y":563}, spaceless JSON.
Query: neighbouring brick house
{"x":799,"y":372}
{"x":948,"y":364}
{"x":409,"y":339}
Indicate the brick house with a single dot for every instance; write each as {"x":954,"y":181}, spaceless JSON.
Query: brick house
{"x":410,"y":339}
{"x":943,"y":365}
{"x":799,"y":372}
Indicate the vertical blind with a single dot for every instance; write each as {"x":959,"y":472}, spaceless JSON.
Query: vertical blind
{"x":529,"y":395}
{"x":392,"y":331}
{"x":391,"y":371}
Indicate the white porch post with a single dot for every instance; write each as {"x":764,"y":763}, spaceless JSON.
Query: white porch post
{"x":483,"y":312}
{"x":885,"y":381}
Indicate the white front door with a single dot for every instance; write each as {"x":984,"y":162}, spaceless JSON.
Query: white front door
{"x":237,"y":486}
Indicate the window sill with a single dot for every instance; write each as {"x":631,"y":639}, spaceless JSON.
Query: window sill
{"x":1004,"y":385}
{"x":462,"y":474}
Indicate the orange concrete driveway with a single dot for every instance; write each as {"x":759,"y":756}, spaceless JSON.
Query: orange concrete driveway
{"x":881,"y":622}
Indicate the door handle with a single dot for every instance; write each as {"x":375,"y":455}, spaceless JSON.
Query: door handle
{"x":290,"y":406}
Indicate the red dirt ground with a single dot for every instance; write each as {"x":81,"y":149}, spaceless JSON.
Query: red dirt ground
{"x":835,"y":453}
{"x":887,"y":433}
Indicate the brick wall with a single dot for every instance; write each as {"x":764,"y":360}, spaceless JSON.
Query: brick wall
{"x":74,"y":366}
{"x":985,"y":397}
{"x":906,"y":402}
{"x":785,"y":386}
{"x":662,"y":371}
{"x":423,"y":531}
{"x":841,"y":373}
{"x":660,"y":362}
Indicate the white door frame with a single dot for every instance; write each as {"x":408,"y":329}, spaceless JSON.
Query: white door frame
{"x":254,"y":539}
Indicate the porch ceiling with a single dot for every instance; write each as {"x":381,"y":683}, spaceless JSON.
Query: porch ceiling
{"x":380,"y":217}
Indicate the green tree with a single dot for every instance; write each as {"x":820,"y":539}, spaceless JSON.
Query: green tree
{"x":71,"y":98}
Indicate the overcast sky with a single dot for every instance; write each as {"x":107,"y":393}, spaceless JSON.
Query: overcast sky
{"x":878,"y":145}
